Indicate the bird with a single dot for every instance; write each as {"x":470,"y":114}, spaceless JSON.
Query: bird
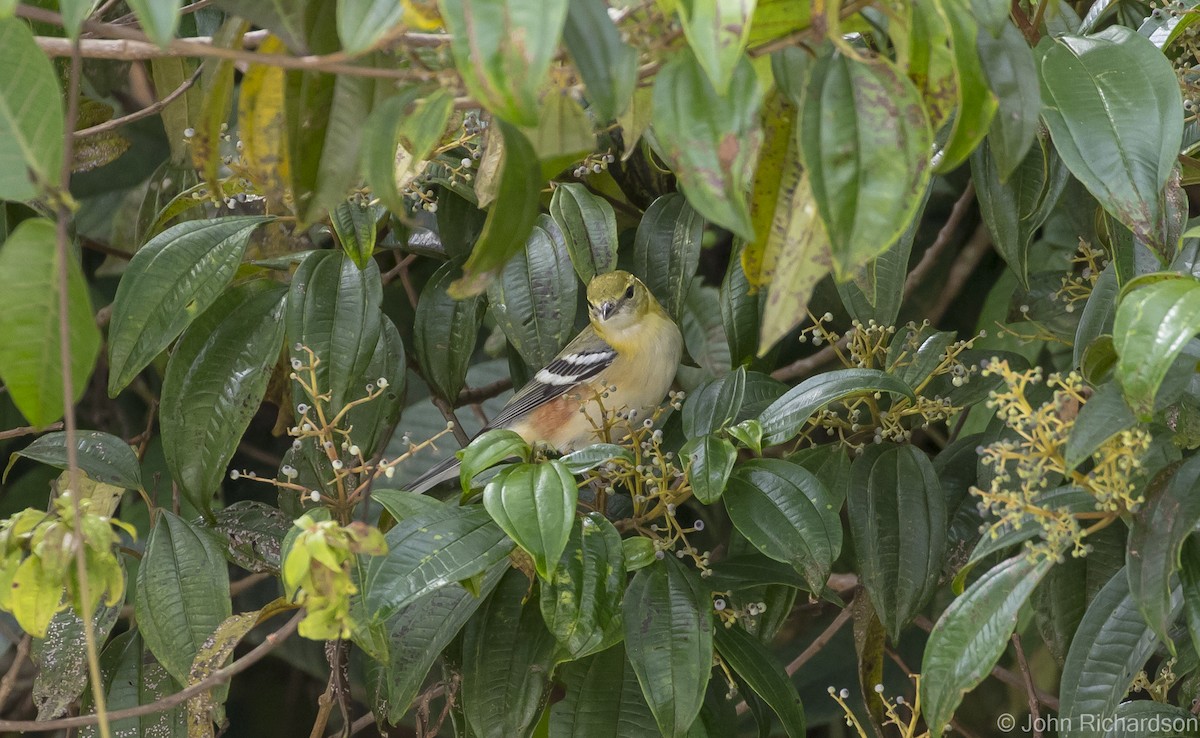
{"x":625,"y":358}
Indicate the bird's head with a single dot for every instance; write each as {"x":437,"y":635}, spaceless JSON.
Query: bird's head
{"x":617,"y":300}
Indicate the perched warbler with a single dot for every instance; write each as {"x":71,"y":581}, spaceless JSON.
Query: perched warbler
{"x":624,"y":360}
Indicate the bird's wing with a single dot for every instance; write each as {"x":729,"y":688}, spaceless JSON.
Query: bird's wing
{"x":582,"y":359}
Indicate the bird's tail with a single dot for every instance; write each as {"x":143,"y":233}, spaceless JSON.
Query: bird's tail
{"x":442,"y":471}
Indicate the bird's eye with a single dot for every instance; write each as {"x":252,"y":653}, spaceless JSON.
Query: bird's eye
{"x":629,"y":292}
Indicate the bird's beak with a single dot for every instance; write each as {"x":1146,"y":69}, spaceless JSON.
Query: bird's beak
{"x":607,"y":308}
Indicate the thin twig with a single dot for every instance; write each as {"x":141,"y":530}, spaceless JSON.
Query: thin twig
{"x":452,"y":419}
{"x":476,"y":395}
{"x":14,"y":670}
{"x":27,"y":430}
{"x":219,"y":676}
{"x":1030,"y":690}
{"x":146,"y":112}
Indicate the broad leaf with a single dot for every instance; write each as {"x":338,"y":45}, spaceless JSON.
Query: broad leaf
{"x":1102,"y":93}
{"x":535,"y":505}
{"x":975,"y":103}
{"x":588,"y":224}
{"x":1153,"y":323}
{"x":444,"y":333}
{"x":759,"y":669}
{"x":31,"y":362}
{"x":354,"y":223}
{"x":581,"y":601}
{"x":717,"y":32}
{"x":715,"y":404}
{"x":61,"y":658}
{"x":182,"y":592}
{"x":668,"y":638}
{"x":787,"y":416}
{"x":361,"y":24}
{"x":709,"y":460}
{"x":666,"y":250}
{"x":168,"y":283}
{"x":606,"y":63}
{"x":1011,"y":72}
{"x":215,"y":381}
{"x":102,"y":456}
{"x":31,"y":115}
{"x":603,"y":700}
{"x":488,"y":449}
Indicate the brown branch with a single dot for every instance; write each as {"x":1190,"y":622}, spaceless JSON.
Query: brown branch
{"x":452,"y":419}
{"x":27,"y":430}
{"x":146,"y":112}
{"x":1030,"y":690}
{"x":219,"y":676}
{"x":14,"y":670}
{"x":476,"y":395}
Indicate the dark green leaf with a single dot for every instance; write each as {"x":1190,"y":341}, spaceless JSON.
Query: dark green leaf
{"x":714,"y":404}
{"x":1012,"y":74}
{"x":158,"y":18}
{"x":504,"y":68}
{"x":666,"y":250}
{"x":581,"y":602}
{"x":1097,"y":313}
{"x":587,"y":221}
{"x":61,"y":658}
{"x":786,"y":417}
{"x":709,"y":460}
{"x":1110,"y":647}
{"x":182,"y":592}
{"x":507,"y":658}
{"x":444,"y":333}
{"x":169,"y":282}
{"x":511,"y":217}
{"x":590,"y":457}
{"x":374,"y":421}
{"x":717,"y":32}
{"x":1153,"y":323}
{"x":607,"y":64}
{"x":535,"y":505}
{"x":533,"y":299}
{"x":603,"y":700}
{"x":1149,"y":719}
{"x":354,"y":223}
{"x":785,"y":512}
{"x":133,"y":677}
{"x":102,"y":456}
{"x":333,"y":311}
{"x":1102,"y":93}
{"x":668,"y":637}
{"x":866,"y":142}
{"x":1189,"y":579}
{"x":1104,"y":415}
{"x":30,"y":353}
{"x":708,"y":138}
{"x":897,"y":513}
{"x":831,"y":465}
{"x":255,"y":531}
{"x":214,"y":383}
{"x":31,"y":115}
{"x":976,"y":105}
{"x":488,"y":449}
{"x":741,"y":313}
{"x":877,"y":289}
{"x":971,"y":635}
{"x":430,"y":550}
{"x":751,"y":661}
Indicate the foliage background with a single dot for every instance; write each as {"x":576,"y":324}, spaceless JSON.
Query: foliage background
{"x":936,"y":276}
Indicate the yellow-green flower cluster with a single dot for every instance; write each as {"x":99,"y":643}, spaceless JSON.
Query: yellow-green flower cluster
{"x":1025,"y":468}
{"x":37,"y":563}
{"x":1077,"y":284}
{"x":316,"y":573}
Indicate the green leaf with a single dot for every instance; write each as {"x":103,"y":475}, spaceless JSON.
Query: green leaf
{"x":503,"y":50}
{"x":533,"y":299}
{"x":831,"y":465}
{"x":715,"y":404}
{"x":1110,"y":647}
{"x":1189,"y":579}
{"x":416,"y":636}
{"x":1015,"y":210}
{"x":786,"y":417}
{"x":709,"y":460}
{"x":1149,"y":719}
{"x":750,"y":571}
{"x":1156,"y":535}
{"x":581,"y":602}
{"x":510,"y":218}
{"x":158,"y":18}
{"x":354,"y":223}
{"x":169,"y":73}
{"x":507,"y":658}
{"x":666,"y":250}
{"x":333,"y":311}
{"x":607,"y":65}
{"x":1011,"y":73}
{"x":971,"y":635}
{"x":563,"y":134}
{"x":168,"y":283}
{"x":741,"y":314}
{"x":133,"y":677}
{"x":877,"y":289}
{"x":429,"y":550}
{"x":324,"y":115}
{"x":1104,"y":415}
{"x":638,"y":552}
{"x":401,"y":133}
{"x":535,"y":505}
{"x":374,"y":421}
{"x":1102,"y":93}
{"x":30,"y":357}
{"x":787,"y":514}
{"x":31,"y":115}
{"x":758,"y":667}
{"x":1097,"y":313}
{"x":590,"y":457}
{"x":102,"y":456}
{"x":61,"y":658}
{"x":603,"y":700}
{"x":255,"y":533}
{"x":444,"y":333}
{"x":897,"y":513}
{"x":668,"y":638}
{"x":866,"y":141}
{"x":488,"y":449}
{"x":74,"y":12}
{"x":587,"y":222}
{"x":976,"y":105}
{"x":710,"y":140}
{"x":182,"y":592}
{"x":215,"y":381}
{"x":717,"y":32}
{"x":1154,"y":320}
{"x":361,"y":24}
